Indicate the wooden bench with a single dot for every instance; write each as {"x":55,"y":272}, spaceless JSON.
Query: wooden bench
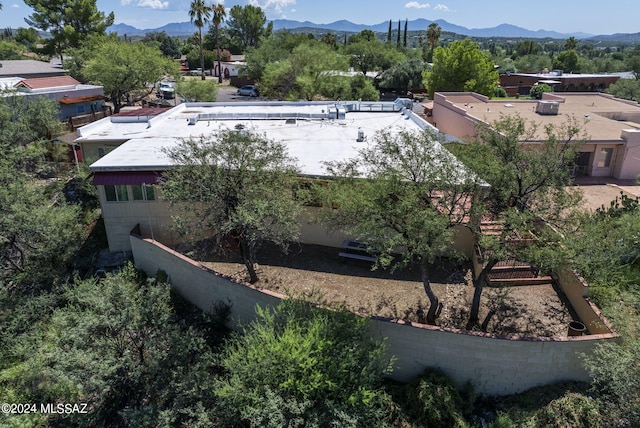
{"x":356,"y":250}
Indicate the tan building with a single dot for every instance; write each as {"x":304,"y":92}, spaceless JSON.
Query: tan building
{"x":612,"y":125}
{"x":130,"y":153}
{"x":521,"y":83}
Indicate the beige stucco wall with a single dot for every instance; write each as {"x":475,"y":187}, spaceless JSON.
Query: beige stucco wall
{"x":629,"y":155}
{"x":494,"y":365}
{"x":452,"y":120}
{"x":154,"y":218}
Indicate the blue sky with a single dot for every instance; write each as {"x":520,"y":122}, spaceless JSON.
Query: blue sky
{"x":566,"y":16}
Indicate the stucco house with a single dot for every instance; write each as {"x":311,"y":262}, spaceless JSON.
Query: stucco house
{"x":73,"y":97}
{"x":131,"y":157}
{"x":612,"y":125}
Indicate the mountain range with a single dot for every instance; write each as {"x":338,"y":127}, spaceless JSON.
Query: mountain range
{"x":502,"y":30}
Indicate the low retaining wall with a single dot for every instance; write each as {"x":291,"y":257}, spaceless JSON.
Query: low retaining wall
{"x":494,"y":365}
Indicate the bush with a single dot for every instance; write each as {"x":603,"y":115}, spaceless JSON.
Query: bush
{"x":297,"y":366}
{"x":537,"y":91}
{"x":500,"y":92}
{"x":433,"y":400}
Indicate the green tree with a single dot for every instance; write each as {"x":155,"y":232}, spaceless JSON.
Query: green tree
{"x":119,"y":345}
{"x":404,"y":76}
{"x":68,"y":21}
{"x":571,"y":44}
{"x":246,"y":24}
{"x":433,"y":37}
{"x":11,"y":50}
{"x":533,"y":63}
{"x":234,"y":183}
{"x":404,"y":37}
{"x":403,"y":191}
{"x":297,"y":366}
{"x":527,"y":183}
{"x":124,"y":68}
{"x":628,"y":89}
{"x":272,"y":49}
{"x":200,"y":14}
{"x":307,"y":73}
{"x":37,"y":231}
{"x":372,"y":55}
{"x":389,"y":33}
{"x":527,"y":47}
{"x":27,"y":37}
{"x":568,"y":61}
{"x":198,"y":90}
{"x":167,"y":45}
{"x":461,"y":67}
{"x":219,"y":14}
{"x":632,"y":61}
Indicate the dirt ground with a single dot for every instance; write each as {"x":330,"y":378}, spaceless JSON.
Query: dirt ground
{"x":318,"y":273}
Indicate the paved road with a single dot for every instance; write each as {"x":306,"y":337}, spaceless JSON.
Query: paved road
{"x":228,"y":94}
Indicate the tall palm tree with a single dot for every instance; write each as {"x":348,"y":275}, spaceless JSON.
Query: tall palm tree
{"x":219,"y":13}
{"x":200,"y":14}
{"x":433,"y":35}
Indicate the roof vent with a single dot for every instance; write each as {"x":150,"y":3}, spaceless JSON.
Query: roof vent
{"x":290,"y":122}
{"x":193,"y":120}
{"x":547,"y":108}
{"x":360,"y":138}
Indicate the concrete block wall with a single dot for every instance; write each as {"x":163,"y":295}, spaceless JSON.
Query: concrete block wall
{"x":494,"y":365}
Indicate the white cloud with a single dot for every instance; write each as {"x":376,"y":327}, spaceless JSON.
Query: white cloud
{"x":151,"y":4}
{"x":15,"y":6}
{"x":273,"y":6}
{"x":154,"y":4}
{"x":416,"y":5}
{"x":441,"y":8}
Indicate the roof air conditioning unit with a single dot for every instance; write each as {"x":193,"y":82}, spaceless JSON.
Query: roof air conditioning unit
{"x":547,"y":108}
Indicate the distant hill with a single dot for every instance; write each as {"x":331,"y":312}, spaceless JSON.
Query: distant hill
{"x":503,"y":30}
{"x":633,"y":38}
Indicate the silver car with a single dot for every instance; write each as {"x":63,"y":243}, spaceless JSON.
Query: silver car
{"x":248,"y":91}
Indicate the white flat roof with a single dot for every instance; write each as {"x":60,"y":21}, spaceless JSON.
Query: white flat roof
{"x":311,"y":139}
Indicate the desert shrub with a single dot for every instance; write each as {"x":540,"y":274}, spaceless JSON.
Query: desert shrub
{"x":433,"y":400}
{"x":616,"y":378}
{"x":561,"y":405}
{"x":300,"y":366}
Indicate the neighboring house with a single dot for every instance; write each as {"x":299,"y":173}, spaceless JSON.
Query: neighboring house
{"x":612,"y":125}
{"x":521,"y":83}
{"x":73,"y":97}
{"x":29,"y":68}
{"x":314,"y":132}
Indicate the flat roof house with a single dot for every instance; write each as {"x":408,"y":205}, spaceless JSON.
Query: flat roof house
{"x":133,"y":156}
{"x":612,"y":125}
{"x":29,"y":68}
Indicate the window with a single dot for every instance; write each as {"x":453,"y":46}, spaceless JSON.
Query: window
{"x":143,"y":193}
{"x":80,"y":108}
{"x":104,"y":150}
{"x":117,"y":193}
{"x":605,"y":158}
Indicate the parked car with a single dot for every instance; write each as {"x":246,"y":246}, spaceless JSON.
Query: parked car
{"x":248,"y":91}
{"x":166,"y":91}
